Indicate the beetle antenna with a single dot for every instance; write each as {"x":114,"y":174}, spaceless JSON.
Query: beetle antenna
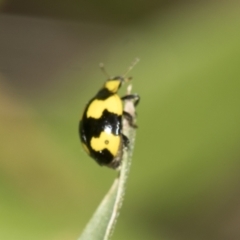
{"x":102,"y":67}
{"x":136,"y":60}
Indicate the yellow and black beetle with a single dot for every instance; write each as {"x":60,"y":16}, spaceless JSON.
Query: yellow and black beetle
{"x":100,"y":128}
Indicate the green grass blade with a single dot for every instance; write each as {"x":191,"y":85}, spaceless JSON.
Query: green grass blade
{"x":102,"y":223}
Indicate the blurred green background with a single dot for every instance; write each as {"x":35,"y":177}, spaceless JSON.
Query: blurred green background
{"x":185,"y":181}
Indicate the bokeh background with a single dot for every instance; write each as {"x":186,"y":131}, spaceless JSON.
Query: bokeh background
{"x":184,"y":181}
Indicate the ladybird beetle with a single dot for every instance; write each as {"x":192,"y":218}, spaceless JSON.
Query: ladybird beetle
{"x":100,"y":128}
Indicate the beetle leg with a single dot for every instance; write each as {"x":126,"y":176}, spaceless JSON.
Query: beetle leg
{"x":125,"y":141}
{"x":129,"y":118}
{"x":134,"y":97}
